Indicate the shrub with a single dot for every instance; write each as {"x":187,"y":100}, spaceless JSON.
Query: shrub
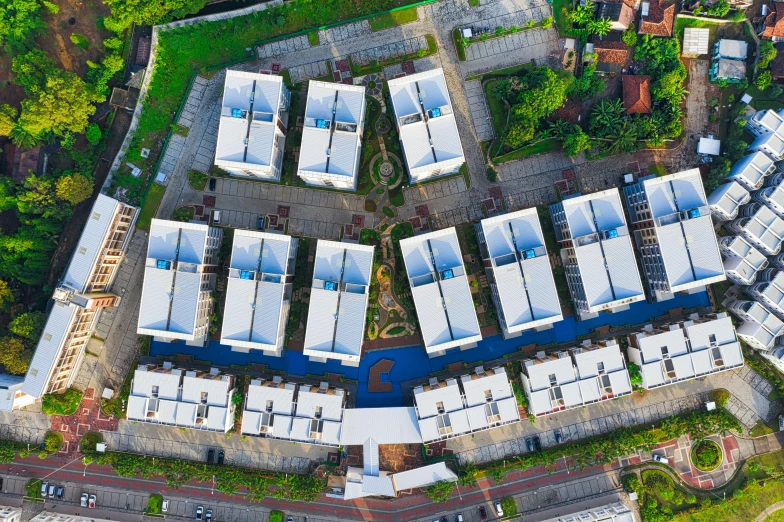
{"x":154,"y":504}
{"x":53,"y":441}
{"x":706,"y":455}
{"x":93,"y":134}
{"x":80,"y":41}
{"x":720,"y":397}
{"x":492,"y":175}
{"x":61,"y":403}
{"x":276,"y":516}
{"x":691,"y":498}
{"x":547,"y":22}
{"x":440,"y":491}
{"x":763,"y":80}
{"x":509,"y":506}
{"x":629,"y":37}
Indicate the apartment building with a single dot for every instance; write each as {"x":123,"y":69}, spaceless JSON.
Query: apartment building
{"x":426,"y":124}
{"x":519,"y":272}
{"x":674,"y":233}
{"x":596,"y":251}
{"x":179,"y":276}
{"x":85,"y":289}
{"x":586,"y":374}
{"x":338,"y":302}
{"x":765,"y":122}
{"x":760,"y":226}
{"x":332,"y":135}
{"x":439,"y":286}
{"x":760,"y":328}
{"x":252,"y":129}
{"x":478,"y":401}
{"x":11,"y":514}
{"x":742,"y":261}
{"x":186,"y":399}
{"x":772,"y":195}
{"x":726,"y":199}
{"x":769,"y":290}
{"x":258,"y":294}
{"x":751,"y":170}
{"x":685,"y":350}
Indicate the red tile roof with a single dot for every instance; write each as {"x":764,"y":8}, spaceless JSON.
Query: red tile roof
{"x":610,"y":52}
{"x":774,"y":22}
{"x":660,"y":19}
{"x":637,"y":94}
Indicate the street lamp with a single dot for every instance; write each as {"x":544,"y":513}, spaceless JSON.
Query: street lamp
{"x":212,"y":492}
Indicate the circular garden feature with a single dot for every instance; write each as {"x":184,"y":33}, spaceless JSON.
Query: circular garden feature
{"x":706,"y":455}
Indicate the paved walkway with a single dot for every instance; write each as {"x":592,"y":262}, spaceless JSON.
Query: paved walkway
{"x":769,"y":511}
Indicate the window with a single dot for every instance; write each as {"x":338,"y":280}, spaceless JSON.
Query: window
{"x":553,"y":380}
{"x":318,"y":412}
{"x":712,"y":338}
{"x":664,"y":351}
{"x":488,"y":395}
{"x":440,"y":407}
{"x":269,"y":406}
{"x":600,"y":367}
{"x":154,"y":391}
{"x":204,"y":397}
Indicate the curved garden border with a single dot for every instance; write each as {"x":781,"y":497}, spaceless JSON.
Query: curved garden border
{"x":706,"y":442}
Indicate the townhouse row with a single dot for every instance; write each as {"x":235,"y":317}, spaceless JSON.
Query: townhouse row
{"x":254,"y":125}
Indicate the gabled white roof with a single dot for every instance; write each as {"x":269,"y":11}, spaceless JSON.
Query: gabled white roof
{"x":58,"y":325}
{"x":172,"y":280}
{"x":737,"y":49}
{"x":447,"y":395}
{"x":540,"y":370}
{"x":338,"y":300}
{"x":728,"y":197}
{"x":256,"y":289}
{"x":497,"y":382}
{"x":591,"y":362}
{"x":607,"y":266}
{"x":328,"y":148}
{"x":383,"y":425}
{"x":428,"y":129}
{"x":9,"y":386}
{"x":424,"y":476}
{"x":247,"y":139}
{"x":522,"y":271}
{"x":330,"y":404}
{"x":443,"y":301}
{"x":280,"y":397}
{"x":750,"y":169}
{"x":683,"y":224}
{"x":765,"y":226}
{"x":773,"y":142}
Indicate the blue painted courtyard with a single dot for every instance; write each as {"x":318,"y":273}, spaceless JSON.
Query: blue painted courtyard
{"x":412,"y":362}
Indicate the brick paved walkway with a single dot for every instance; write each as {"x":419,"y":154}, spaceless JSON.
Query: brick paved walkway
{"x":88,"y":417}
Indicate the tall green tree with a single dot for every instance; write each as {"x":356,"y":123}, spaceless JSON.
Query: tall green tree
{"x":7,"y":119}
{"x":600,"y":27}
{"x":14,"y":356}
{"x":20,"y":22}
{"x":148,"y":12}
{"x":31,"y":70}
{"x":74,"y":188}
{"x":28,"y":325}
{"x":7,"y":298}
{"x":767,"y":53}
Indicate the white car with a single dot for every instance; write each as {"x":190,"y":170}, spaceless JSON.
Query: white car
{"x":83,"y":501}
{"x":498,"y":510}
{"x":165,"y":506}
{"x":92,"y":502}
{"x":661,"y":458}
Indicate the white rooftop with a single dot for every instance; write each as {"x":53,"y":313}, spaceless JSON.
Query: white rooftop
{"x":709,"y":146}
{"x":522,"y":271}
{"x":338,"y":300}
{"x":442,"y":297}
{"x":695,"y":41}
{"x":750,"y":169}
{"x":737,"y":49}
{"x":683,"y":224}
{"x":767,"y":228}
{"x":253,"y":316}
{"x":772,"y":142}
{"x":746,"y":261}
{"x":383,"y":425}
{"x":325,"y":409}
{"x":251,"y":104}
{"x":331,"y":133}
{"x":728,"y":197}
{"x":172,"y":281}
{"x":269,"y":409}
{"x":603,"y":248}
{"x":428,"y":129}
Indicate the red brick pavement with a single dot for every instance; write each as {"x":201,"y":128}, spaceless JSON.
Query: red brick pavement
{"x":88,"y":417}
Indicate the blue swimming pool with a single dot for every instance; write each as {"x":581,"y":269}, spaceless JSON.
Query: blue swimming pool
{"x":411,"y":362}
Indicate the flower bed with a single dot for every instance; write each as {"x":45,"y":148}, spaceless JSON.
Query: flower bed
{"x":706,"y":455}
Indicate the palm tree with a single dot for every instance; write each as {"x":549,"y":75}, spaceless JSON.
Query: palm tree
{"x":623,"y":138}
{"x":583,"y":14}
{"x":22,"y":138}
{"x":606,"y":115}
{"x":559,"y":128}
{"x":600,"y":27}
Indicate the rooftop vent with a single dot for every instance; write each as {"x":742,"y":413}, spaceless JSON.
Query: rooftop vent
{"x":330,"y":285}
{"x":246,"y":274}
{"x":163,"y":264}
{"x":239,"y":113}
{"x":529,"y":254}
{"x":447,"y":274}
{"x":434,"y":113}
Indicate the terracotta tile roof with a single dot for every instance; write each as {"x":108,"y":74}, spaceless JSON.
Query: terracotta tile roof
{"x":774,"y":22}
{"x":660,"y":19}
{"x":611,"y":52}
{"x":777,"y":66}
{"x":637,"y":94}
{"x":619,"y":13}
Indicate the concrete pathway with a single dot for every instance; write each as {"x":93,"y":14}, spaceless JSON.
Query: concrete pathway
{"x":778,"y":506}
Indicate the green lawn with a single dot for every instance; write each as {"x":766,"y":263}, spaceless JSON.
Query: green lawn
{"x":778,"y":516}
{"x":760,"y":429}
{"x":561,"y":10}
{"x":497,"y":108}
{"x":529,"y":150}
{"x":458,"y":46}
{"x":396,"y":330}
{"x":392,"y":19}
{"x":762,"y":100}
{"x":388,"y":212}
{"x":151,"y":202}
{"x":313,"y":38}
{"x":473,"y":3}
{"x":197,"y":180}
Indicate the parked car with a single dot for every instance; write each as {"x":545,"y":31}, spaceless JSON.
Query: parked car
{"x":165,"y":506}
{"x":498,"y":510}
{"x":91,"y":503}
{"x":260,"y":223}
{"x":220,"y":457}
{"x":482,"y":513}
{"x":537,"y":443}
{"x":212,"y":184}
{"x":529,"y":443}
{"x":44,"y":488}
{"x":52,"y":489}
{"x":208,"y":515}
{"x":83,"y":501}
{"x":216,"y":214}
{"x":661,"y":458}
{"x":60,"y":491}
{"x":199,"y":511}
{"x":558,"y":437}
{"x":444,"y":519}
{"x":211,"y":456}
{"x":289,"y":519}
{"x":459,"y":517}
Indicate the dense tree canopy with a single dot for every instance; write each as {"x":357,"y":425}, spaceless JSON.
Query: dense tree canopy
{"x":74,"y":188}
{"x":14,"y":356}
{"x":20,"y":22}
{"x":148,"y":12}
{"x":7,"y":119}
{"x":61,"y":108}
{"x":28,"y":325}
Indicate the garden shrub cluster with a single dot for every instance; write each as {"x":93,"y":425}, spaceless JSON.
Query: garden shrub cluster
{"x":61,"y":403}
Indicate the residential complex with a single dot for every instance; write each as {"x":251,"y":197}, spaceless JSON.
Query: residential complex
{"x":187,"y":399}
{"x":685,"y":350}
{"x":519,"y":272}
{"x":452,"y":408}
{"x":179,"y":276}
{"x":726,"y":199}
{"x":569,"y":379}
{"x":768,"y":128}
{"x":750,"y":171}
{"x":439,"y":286}
{"x":258,"y":295}
{"x":85,"y":288}
{"x":674,"y":233}
{"x":760,"y":226}
{"x":338,"y":302}
{"x":426,"y":124}
{"x":772,"y":195}
{"x":760,"y":328}
{"x":596,"y":251}
{"x":741,"y":260}
{"x":332,"y":135}
{"x":252,"y":130}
